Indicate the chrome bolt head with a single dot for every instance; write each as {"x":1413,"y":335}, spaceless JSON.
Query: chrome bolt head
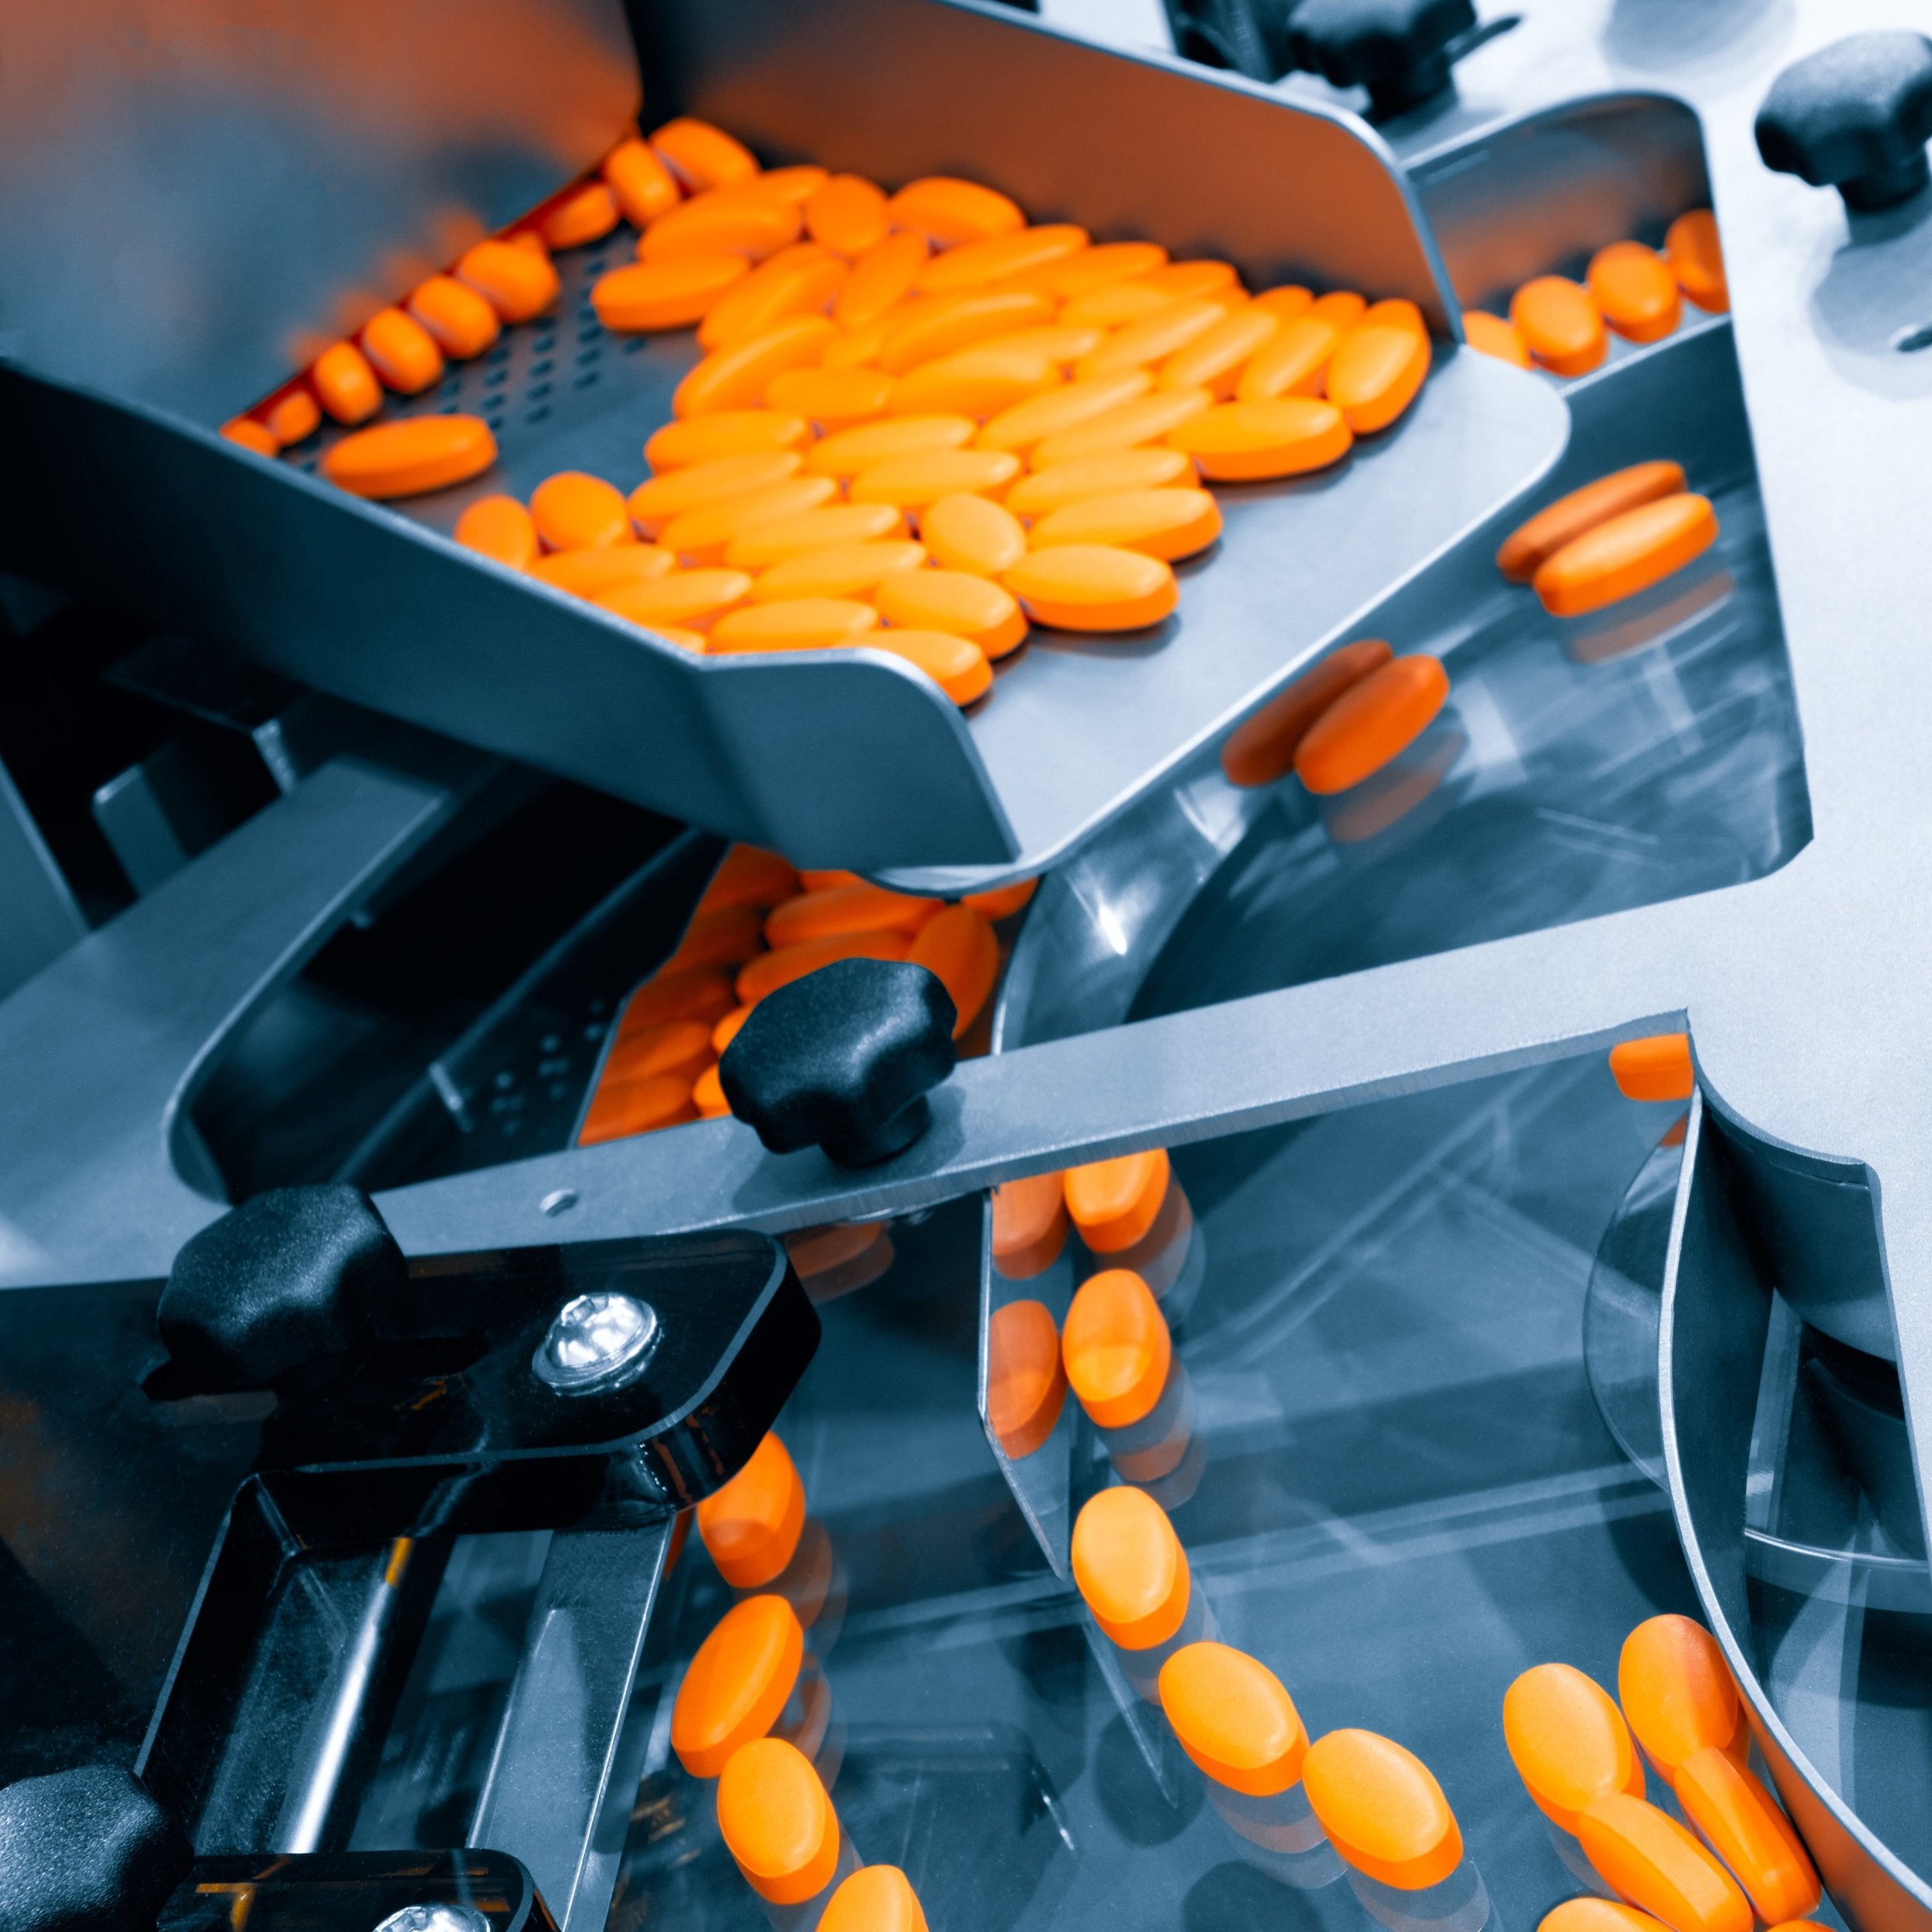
{"x":435,"y":1919}
{"x":596,"y":1342}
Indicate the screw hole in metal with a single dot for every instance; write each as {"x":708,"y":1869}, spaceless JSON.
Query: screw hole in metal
{"x":1910,"y":341}
{"x":559,"y":1202}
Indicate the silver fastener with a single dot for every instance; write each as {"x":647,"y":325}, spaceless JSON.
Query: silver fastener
{"x":596,"y":1342}
{"x":435,"y":1919}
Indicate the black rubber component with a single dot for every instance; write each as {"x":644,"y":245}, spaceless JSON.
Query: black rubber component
{"x":286,"y":1281}
{"x":86,"y":1851}
{"x":1242,"y":36}
{"x":1399,"y":50}
{"x":1854,"y":116}
{"x":842,"y":1060}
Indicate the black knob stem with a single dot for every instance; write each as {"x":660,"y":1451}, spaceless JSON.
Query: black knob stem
{"x":1401,"y":51}
{"x":1854,"y":116}
{"x":86,"y":1850}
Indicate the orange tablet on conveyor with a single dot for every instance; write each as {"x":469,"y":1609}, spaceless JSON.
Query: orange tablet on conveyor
{"x":881,"y":277}
{"x":1589,"y":1914}
{"x":1287,"y":303}
{"x":463,"y":323}
{"x":1647,"y":1857}
{"x":679,"y":1046}
{"x":1262,"y":748}
{"x":803,"y":623}
{"x":967,"y":532}
{"x":1342,"y":308}
{"x":1214,"y":359}
{"x":767,"y":544}
{"x":1376,"y":372}
{"x":1106,"y":472}
{"x":1676,"y":1689}
{"x":1123,"y":427}
{"x":1168,"y":523}
{"x":863,"y":908}
{"x":1696,"y":258}
{"x":939,"y":325}
{"x":1372,"y":722}
{"x":595,"y":573}
{"x":1116,"y":1346}
{"x":834,"y":399}
{"x":702,"y":155}
{"x":1741,"y":1821}
{"x":1062,"y":347}
{"x":1098,"y":267}
{"x":801,"y":280}
{"x":956,"y":945}
{"x":797,"y":184}
{"x":690,"y":599}
{"x":1382,"y":1808}
{"x":1114,"y":1203}
{"x":345,"y":384}
{"x":250,"y":435}
{"x":731,"y":432}
{"x":518,"y":282}
{"x":853,"y":570}
{"x":1094,"y":587}
{"x":703,"y":536}
{"x":1191,"y":281}
{"x":673,"y":294}
{"x":662,"y":498}
{"x":1559,"y":325}
{"x":407,"y":458}
{"x":1131,"y":1568}
{"x":848,"y":213}
{"x":1283,"y":436}
{"x":777,"y":1821}
{"x":1029,"y":1228}
{"x":875,"y":1898}
{"x":750,"y":875}
{"x":956,"y":602}
{"x":683,"y":995}
{"x":911,"y":482}
{"x":719,"y":936}
{"x":1292,"y":362}
{"x":978,"y":382}
{"x":1568,"y":1741}
{"x":499,"y":526}
{"x":1118,"y":304}
{"x":972,"y":264}
{"x":1657,"y":1067}
{"x":401,"y":351}
{"x":574,"y":511}
{"x":643,"y":186}
{"x":1627,"y":554}
{"x":770,"y":971}
{"x":737,"y":378}
{"x":622,"y":1107}
{"x":737,"y":1684}
{"x":848,"y":451}
{"x":1635,"y":290}
{"x":707,"y":1095}
{"x":293,"y":416}
{"x":955,"y":664}
{"x":948,"y":211}
{"x":1142,"y":344}
{"x":1028,"y":423}
{"x":1490,"y":335}
{"x":752,"y":1525}
{"x":1026,"y":1382}
{"x":1530,"y":545}
{"x":588,"y":215}
{"x":1234,"y":1719}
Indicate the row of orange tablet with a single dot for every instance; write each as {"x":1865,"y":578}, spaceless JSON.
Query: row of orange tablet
{"x":1559,"y":325}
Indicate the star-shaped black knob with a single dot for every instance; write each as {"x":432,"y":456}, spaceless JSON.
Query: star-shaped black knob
{"x":86,"y":1850}
{"x":1854,"y":116}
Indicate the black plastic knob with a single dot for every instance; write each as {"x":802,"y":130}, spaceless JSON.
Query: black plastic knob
{"x":843,"y":1059}
{"x":86,"y":1851}
{"x":1244,"y":37}
{"x":1854,"y":116}
{"x":286,"y":1280}
{"x":1400,"y":50}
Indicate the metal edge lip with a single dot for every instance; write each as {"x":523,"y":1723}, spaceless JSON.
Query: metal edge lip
{"x":1430,"y":165}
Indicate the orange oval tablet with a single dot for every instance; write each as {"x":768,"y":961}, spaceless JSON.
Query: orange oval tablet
{"x":672,"y":295}
{"x":345,"y":384}
{"x":1530,"y":545}
{"x":1060,"y":347}
{"x":458,"y":316}
{"x":717,"y":936}
{"x":1375,"y":373}
{"x":1029,"y":1229}
{"x":1286,"y":303}
{"x":1152,"y":340}
{"x":250,"y":435}
{"x":764,"y":545}
{"x":736,"y":377}
{"x":1114,"y":1203}
{"x":1214,"y":360}
{"x":401,"y":351}
{"x":847,"y":452}
{"x":956,"y":664}
{"x":834,"y":399}
{"x":1341,"y":307}
{"x":1130,"y":1566}
{"x":1234,"y":1719}
{"x":911,"y":482}
{"x":731,"y":432}
{"x":705,"y":535}
{"x":958,"y":602}
{"x":1262,"y":748}
{"x":881,"y":277}
{"x":752,"y":1524}
{"x":965,"y":532}
{"x":1093,"y":587}
{"x":1589,"y":1914}
{"x":574,"y":511}
{"x":655,"y":502}
{"x":750,"y":875}
{"x":1116,"y":1346}
{"x":643,"y":186}
{"x":847,"y":213}
{"x":1490,"y":335}
{"x":1372,"y":722}
{"x":938,"y":325}
{"x":858,"y":907}
{"x":958,"y":947}
{"x":622,"y":1107}
{"x":405,"y":459}
{"x":978,"y":382}
{"x":293,"y":416}
{"x":679,"y":1046}
{"x":973,"y":264}
{"x":801,"y":280}
{"x":702,"y":155}
{"x":1649,"y":1859}
{"x":1635,"y":290}
{"x":1676,"y":1689}
{"x":797,"y":184}
{"x":1123,"y":427}
{"x":726,"y":1029}
{"x":803,"y":623}
{"x":707,"y":1093}
{"x":1568,"y":1741}
{"x":1656,"y":1068}
{"x":1560,"y":324}
{"x":1696,"y":258}
{"x":1026,"y":1385}
{"x":854,"y":570}
{"x":1627,"y":554}
{"x":1030,"y":422}
{"x":1167,"y":523}
{"x":1396,"y":312}
{"x":948,"y":211}
{"x":701,"y":995}
{"x":1096,"y":267}
{"x":499,"y":526}
{"x":1292,"y":363}
{"x":596,"y":572}
{"x":766,"y":974}
{"x":1285,"y":436}
{"x":1106,"y":472}
{"x":690,"y":599}
{"x":777,"y":1821}
{"x":1118,"y":304}
{"x":1382,"y":1809}
{"x":875,"y":1898}
{"x":518,"y":282}
{"x":587,"y":215}
{"x":1742,"y":1823}
{"x":737,"y":1684}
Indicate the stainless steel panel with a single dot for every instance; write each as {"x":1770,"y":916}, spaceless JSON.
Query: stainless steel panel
{"x":39,"y":919}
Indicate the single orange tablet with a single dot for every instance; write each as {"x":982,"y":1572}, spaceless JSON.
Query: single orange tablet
{"x":679,"y":1046}
{"x":1382,"y":1809}
{"x":1490,"y":335}
{"x":1655,"y":1068}
{"x":294,"y":417}
{"x":1676,"y":1690}
{"x":1116,"y":1346}
{"x":1123,"y":427}
{"x":1287,"y":303}
{"x":643,"y":186}
{"x":1530,"y":545}
{"x":881,"y":279}
{"x":1026,"y":1385}
{"x":848,"y":452}
{"x":1029,"y":1229}
{"x":851,"y":570}
{"x":1568,"y":1741}
{"x":737,"y":1684}
{"x":458,"y":316}
{"x":797,"y":184}
{"x":705,"y":535}
{"x":762,"y":546}
{"x":1106,"y":472}
{"x":1589,"y":1914}
{"x":965,"y":532}
{"x":1096,"y":267}
{"x":860,"y":907}
{"x":1284,"y":435}
{"x":911,"y":482}
{"x":702,"y":155}
{"x":1131,"y":1568}
{"x":1118,"y":304}
{"x":401,"y":351}
{"x":730,"y":432}
{"x":707,"y":1092}
{"x":587,"y":215}
{"x":1742,"y":1823}
{"x":958,"y":602}
{"x":345,"y":384}
{"x":834,"y":399}
{"x":770,"y":971}
{"x":1559,"y":323}
{"x":979,"y":382}
{"x":736,"y":377}
{"x":752,"y":1525}
{"x":848,"y":213}
{"x":1696,"y":258}
{"x":1030,"y":422}
{"x":673,"y":294}
{"x":777,"y":1821}
{"x":595,"y":573}
{"x":1627,"y":554}
{"x":875,"y":1898}
{"x":1094,"y":587}
{"x":750,"y":875}
{"x":1292,"y":362}
{"x":1170,"y":523}
{"x":803,"y":623}
{"x":1114,"y":1203}
{"x":1153,"y":340}
{"x":518,"y":282}
{"x":622,"y":1107}
{"x":938,"y":325}
{"x":948,"y":212}
{"x":1372,"y":722}
{"x":1649,"y":1859}
{"x":1262,"y":748}
{"x":1190,"y":281}
{"x":1342,"y":307}
{"x":499,"y":526}
{"x":1375,"y":373}
{"x":1234,"y":1719}
{"x":1214,"y":360}
{"x":721,"y":936}
{"x":798,"y":280}
{"x":1061,"y":347}
{"x":687,"y":996}
{"x":956,"y":664}
{"x":407,"y":458}
{"x":250,"y":435}
{"x":574,"y":511}
{"x":957,"y":947}
{"x":655,"y":503}
{"x":973,"y":264}
{"x":1635,"y":290}
{"x":690,"y":599}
